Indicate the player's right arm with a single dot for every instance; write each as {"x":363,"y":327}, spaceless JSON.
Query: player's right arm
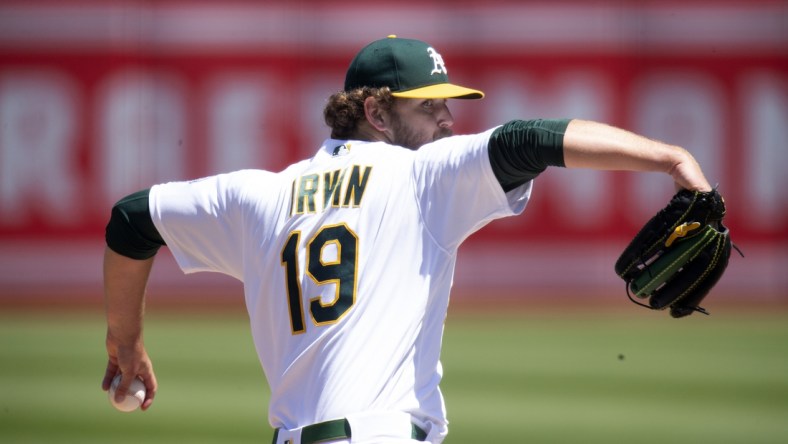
{"x":132,"y":241}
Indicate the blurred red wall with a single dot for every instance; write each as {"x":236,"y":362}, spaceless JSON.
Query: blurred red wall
{"x":99,"y":99}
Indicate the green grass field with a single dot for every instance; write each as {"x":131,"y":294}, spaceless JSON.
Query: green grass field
{"x":539,"y":377}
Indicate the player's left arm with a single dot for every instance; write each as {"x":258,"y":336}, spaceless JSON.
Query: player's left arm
{"x":521,"y":150}
{"x":599,"y":146}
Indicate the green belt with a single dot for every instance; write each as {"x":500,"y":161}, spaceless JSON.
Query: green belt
{"x":338,"y":429}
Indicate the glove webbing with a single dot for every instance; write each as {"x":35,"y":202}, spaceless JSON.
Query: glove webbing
{"x":662,"y":239}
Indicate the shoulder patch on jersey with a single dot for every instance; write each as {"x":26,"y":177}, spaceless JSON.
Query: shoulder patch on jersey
{"x":341,"y":150}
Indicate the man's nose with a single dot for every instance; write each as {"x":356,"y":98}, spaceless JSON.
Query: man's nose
{"x":445,"y":119}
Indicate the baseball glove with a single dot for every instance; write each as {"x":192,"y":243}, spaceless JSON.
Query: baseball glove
{"x":678,"y":255}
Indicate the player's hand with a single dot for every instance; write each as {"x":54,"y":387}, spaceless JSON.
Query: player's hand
{"x":688,"y":175}
{"x":131,"y":361}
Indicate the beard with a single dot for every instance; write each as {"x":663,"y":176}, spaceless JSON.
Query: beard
{"x":407,"y":137}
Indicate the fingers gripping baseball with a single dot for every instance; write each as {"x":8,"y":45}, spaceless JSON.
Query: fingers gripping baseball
{"x":131,"y":362}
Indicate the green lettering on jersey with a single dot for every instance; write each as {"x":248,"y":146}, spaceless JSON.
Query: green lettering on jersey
{"x":305,"y":200}
{"x":337,"y":188}
{"x":332,"y":187}
{"x":356,"y":185}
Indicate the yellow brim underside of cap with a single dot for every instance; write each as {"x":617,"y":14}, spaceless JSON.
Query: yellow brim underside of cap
{"x":440,"y":91}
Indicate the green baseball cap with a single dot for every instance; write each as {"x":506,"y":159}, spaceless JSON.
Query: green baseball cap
{"x":410,"y":68}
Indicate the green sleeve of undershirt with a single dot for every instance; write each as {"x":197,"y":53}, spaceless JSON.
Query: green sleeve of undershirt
{"x":130,"y":231}
{"x":521,"y":149}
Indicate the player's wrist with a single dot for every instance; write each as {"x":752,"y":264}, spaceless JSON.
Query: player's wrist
{"x":118,"y":337}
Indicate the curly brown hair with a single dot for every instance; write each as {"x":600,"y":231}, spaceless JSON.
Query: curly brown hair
{"x":345,"y":109}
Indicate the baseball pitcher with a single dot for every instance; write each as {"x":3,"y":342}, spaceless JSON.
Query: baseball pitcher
{"x":347,"y":257}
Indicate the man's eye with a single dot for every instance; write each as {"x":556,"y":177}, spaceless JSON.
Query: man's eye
{"x":427,"y":104}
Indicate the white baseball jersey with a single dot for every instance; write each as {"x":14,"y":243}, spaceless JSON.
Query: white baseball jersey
{"x":347,"y":262}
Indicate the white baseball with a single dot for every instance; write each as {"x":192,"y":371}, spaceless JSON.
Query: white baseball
{"x":134,"y":396}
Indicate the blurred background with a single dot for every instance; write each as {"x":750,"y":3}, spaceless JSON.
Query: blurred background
{"x":102,"y":98}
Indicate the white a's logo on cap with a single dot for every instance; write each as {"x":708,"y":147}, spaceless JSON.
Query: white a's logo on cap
{"x":439,"y":67}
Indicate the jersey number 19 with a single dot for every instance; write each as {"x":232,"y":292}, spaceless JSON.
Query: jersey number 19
{"x":341,"y":271}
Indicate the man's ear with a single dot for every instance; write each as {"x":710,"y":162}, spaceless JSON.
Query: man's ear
{"x":375,"y":114}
